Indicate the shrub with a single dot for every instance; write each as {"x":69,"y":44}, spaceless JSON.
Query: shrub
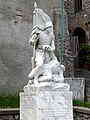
{"x":84,"y":54}
{"x":80,"y":103}
{"x":8,"y":100}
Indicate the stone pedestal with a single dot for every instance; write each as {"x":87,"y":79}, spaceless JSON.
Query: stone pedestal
{"x":46,"y":103}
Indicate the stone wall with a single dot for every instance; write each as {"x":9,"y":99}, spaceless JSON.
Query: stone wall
{"x":81,"y":113}
{"x":10,"y":114}
{"x":77,"y":19}
{"x":86,"y":6}
{"x":69,"y":6}
{"x":67,"y":58}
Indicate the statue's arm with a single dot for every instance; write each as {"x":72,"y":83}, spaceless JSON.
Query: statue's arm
{"x":33,"y":38}
{"x":53,"y":44}
{"x":51,"y":47}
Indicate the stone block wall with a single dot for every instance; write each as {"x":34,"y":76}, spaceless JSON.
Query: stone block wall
{"x":81,"y":113}
{"x":10,"y":114}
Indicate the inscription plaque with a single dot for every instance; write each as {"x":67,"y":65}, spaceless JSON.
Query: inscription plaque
{"x":46,"y":105}
{"x":28,"y":101}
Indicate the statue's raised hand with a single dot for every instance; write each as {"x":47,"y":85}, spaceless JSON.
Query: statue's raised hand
{"x":31,"y":42}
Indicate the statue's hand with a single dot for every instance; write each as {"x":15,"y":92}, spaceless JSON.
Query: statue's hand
{"x":31,"y":42}
{"x":47,"y":47}
{"x":33,"y":39}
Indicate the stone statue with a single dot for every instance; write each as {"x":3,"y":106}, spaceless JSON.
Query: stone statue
{"x":46,"y":96}
{"x":45,"y":66}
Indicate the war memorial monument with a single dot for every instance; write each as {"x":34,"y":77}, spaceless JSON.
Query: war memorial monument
{"x":46,"y":96}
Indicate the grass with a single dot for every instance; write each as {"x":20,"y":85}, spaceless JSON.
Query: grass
{"x":8,"y":100}
{"x":81,"y":103}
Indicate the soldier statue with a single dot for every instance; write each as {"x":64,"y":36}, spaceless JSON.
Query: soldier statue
{"x":45,"y":66}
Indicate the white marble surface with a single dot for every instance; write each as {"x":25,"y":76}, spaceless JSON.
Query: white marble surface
{"x":46,"y":96}
{"x":46,"y":104}
{"x":45,"y":66}
{"x":46,"y":85}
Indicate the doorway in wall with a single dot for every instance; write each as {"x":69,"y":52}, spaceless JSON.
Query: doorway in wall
{"x":81,"y":34}
{"x":78,"y":37}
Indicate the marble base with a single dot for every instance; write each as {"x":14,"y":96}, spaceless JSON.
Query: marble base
{"x":46,"y":104}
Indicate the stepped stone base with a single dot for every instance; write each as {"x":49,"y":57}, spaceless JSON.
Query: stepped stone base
{"x":46,"y":103}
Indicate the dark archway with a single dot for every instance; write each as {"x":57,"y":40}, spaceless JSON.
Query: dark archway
{"x":78,"y":37}
{"x":81,"y":34}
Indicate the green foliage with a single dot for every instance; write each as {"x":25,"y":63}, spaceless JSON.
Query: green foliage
{"x":84,"y":54}
{"x":8,"y":100}
{"x":80,"y":103}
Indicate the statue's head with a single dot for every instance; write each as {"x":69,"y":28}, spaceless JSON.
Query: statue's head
{"x":48,"y":24}
{"x":49,"y":27}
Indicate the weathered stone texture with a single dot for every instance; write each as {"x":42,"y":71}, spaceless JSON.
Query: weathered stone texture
{"x":77,"y":19}
{"x":46,"y":103}
{"x":81,"y":113}
{"x":67,"y":58}
{"x":77,"y":86}
{"x":69,"y":6}
{"x":86,"y":6}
